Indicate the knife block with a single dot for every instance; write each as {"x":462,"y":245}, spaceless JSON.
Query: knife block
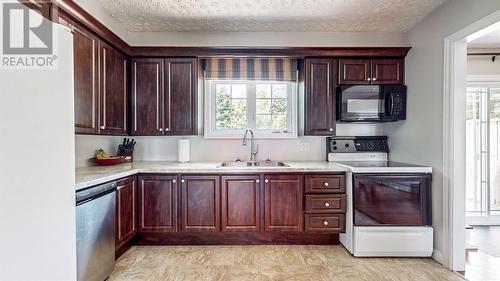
{"x":127,"y":153}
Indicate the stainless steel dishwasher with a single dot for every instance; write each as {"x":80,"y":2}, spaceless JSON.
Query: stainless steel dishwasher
{"x":95,"y":232}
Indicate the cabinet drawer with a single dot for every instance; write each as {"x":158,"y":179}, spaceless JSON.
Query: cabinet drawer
{"x":333,"y":223}
{"x":325,"y":183}
{"x":325,"y":203}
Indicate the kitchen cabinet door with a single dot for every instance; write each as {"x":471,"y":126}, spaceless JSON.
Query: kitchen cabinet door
{"x":158,"y":203}
{"x":180,"y":101}
{"x":113,"y":91}
{"x":85,"y":52}
{"x":284,"y":195}
{"x":147,"y":97}
{"x":354,"y":71}
{"x":241,"y":203}
{"x":387,"y":71}
{"x":200,"y":203}
{"x":320,"y":84}
{"x":126,"y":211}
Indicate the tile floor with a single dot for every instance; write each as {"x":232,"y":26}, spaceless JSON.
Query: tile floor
{"x":269,"y":263}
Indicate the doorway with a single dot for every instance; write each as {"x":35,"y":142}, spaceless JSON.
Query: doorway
{"x":482,"y":187}
{"x":455,"y":144}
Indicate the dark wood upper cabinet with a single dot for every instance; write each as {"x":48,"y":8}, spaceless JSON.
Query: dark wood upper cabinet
{"x":354,"y":71}
{"x":180,"y":105}
{"x":387,"y":71}
{"x":126,"y":211}
{"x":147,"y":97}
{"x":200,"y":203}
{"x":320,"y":85}
{"x":241,"y":203}
{"x":371,"y":71}
{"x":284,"y":196}
{"x":85,"y":53}
{"x":112,"y":91}
{"x":158,"y":203}
{"x":164,"y":96}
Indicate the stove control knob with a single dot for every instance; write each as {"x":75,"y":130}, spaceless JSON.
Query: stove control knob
{"x":335,"y":148}
{"x":346,"y":145}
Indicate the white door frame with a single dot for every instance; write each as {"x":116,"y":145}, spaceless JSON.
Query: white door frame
{"x":455,"y":84}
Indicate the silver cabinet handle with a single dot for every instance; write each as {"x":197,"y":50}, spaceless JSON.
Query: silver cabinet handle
{"x":374,"y":79}
{"x":103,"y":127}
{"x":327,"y":204}
{"x":257,"y":180}
{"x":161,"y":129}
{"x":174,"y":181}
{"x":167,"y":129}
{"x":368,"y":79}
{"x":325,"y":184}
{"x":183,"y":181}
{"x":325,"y":222}
{"x":331,"y":129}
{"x":119,"y":187}
{"x":266,"y":180}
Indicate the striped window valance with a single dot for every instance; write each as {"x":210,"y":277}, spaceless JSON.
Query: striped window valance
{"x":276,"y":69}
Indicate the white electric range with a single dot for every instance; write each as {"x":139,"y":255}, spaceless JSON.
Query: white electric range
{"x":389,"y":211}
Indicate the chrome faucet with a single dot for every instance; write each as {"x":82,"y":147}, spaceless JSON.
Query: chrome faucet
{"x":253,"y":148}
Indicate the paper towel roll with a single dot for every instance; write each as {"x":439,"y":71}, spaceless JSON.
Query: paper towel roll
{"x":183,"y":151}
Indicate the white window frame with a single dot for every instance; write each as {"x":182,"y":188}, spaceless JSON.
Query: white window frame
{"x":210,"y":131}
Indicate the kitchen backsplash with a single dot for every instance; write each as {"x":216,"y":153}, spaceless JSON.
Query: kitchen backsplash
{"x":165,"y":148}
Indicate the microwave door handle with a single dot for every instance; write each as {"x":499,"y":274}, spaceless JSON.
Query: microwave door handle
{"x":389,"y":104}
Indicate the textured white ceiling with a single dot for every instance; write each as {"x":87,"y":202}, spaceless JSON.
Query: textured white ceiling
{"x":270,"y":15}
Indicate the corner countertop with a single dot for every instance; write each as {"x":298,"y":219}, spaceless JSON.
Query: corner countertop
{"x":94,"y":175}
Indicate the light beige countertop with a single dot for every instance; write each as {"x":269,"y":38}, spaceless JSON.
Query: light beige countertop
{"x":94,"y":175}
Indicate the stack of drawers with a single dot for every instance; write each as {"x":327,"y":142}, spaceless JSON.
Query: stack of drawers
{"x":325,"y":203}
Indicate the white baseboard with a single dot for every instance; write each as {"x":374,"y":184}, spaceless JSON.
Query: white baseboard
{"x":438,"y":256}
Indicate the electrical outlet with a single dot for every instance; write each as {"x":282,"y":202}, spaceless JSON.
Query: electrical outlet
{"x":305,"y":146}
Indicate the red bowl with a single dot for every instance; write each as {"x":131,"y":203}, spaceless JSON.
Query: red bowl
{"x":109,"y":162}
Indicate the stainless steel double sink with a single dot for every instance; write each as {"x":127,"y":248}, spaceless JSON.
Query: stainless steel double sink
{"x":240,"y":164}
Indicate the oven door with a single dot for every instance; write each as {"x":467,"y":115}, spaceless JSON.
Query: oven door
{"x":361,"y":103}
{"x":392,"y":199}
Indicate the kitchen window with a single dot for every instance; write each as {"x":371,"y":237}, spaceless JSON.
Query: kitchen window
{"x":266,"y":107}
{"x":250,"y":93}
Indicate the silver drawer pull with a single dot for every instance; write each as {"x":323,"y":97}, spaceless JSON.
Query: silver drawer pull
{"x":174,"y":181}
{"x":327,"y":204}
{"x":257,"y":181}
{"x":325,"y":222}
{"x":183,"y":181}
{"x":325,"y":184}
{"x":266,"y":180}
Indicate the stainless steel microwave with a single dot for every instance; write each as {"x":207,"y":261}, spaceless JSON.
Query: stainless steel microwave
{"x":371,"y":103}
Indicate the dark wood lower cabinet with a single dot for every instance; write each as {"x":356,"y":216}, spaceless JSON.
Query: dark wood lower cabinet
{"x":284,"y":197}
{"x":157,"y":203}
{"x":229,"y":209}
{"x":241,"y":203}
{"x":126,"y":211}
{"x":200,"y":203}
